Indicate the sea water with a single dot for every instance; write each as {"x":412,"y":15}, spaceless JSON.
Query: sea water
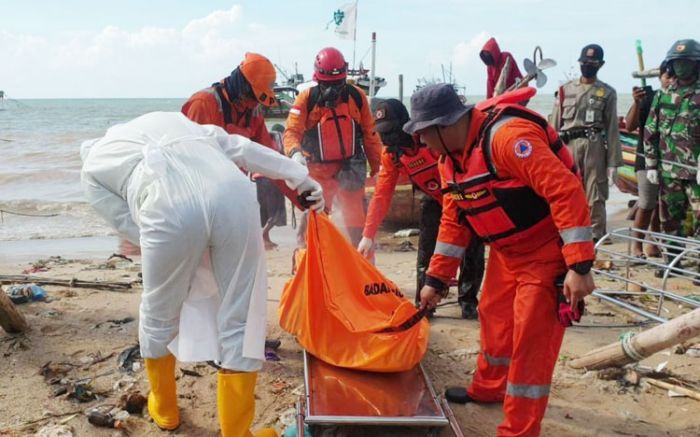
{"x":40,"y":160}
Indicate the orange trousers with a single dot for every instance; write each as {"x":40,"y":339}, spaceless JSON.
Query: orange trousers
{"x":351,"y":202}
{"x":520,"y":336}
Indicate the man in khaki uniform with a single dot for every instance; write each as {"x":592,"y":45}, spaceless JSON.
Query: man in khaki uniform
{"x":585,"y":113}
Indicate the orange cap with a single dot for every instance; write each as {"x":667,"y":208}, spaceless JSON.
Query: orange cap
{"x":260,"y":74}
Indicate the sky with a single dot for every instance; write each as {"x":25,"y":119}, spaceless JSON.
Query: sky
{"x":159,"y":48}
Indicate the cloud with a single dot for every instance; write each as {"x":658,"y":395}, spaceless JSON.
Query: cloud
{"x":145,"y":62}
{"x":469,"y":71}
{"x":466,"y":53}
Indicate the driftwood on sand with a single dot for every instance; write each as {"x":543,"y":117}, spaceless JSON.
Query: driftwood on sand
{"x":637,"y":347}
{"x":676,"y":388}
{"x":98,"y":285}
{"x":11,"y":320}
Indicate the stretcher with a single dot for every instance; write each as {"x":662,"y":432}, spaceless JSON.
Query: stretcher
{"x":335,"y":396}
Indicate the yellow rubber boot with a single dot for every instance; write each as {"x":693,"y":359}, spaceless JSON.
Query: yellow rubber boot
{"x":162,"y":399}
{"x":235,"y":397}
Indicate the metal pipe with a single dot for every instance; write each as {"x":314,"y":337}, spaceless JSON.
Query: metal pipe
{"x":629,"y":307}
{"x":372,"y":89}
{"x":689,"y":250}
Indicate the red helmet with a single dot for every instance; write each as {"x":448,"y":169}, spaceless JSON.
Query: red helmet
{"x":330,"y":65}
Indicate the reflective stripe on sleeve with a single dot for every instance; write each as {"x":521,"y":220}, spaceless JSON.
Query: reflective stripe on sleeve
{"x":448,"y":249}
{"x":577,"y":235}
{"x":527,"y":390}
{"x":496,"y":361}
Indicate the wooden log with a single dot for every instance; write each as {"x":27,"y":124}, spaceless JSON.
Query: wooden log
{"x":677,"y":388}
{"x":635,"y":348}
{"x":98,"y":285}
{"x":11,"y":320}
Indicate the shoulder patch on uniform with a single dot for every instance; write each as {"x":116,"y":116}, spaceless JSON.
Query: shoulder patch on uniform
{"x":600,"y":92}
{"x":295,"y":110}
{"x":380,"y":114}
{"x":523,"y":149}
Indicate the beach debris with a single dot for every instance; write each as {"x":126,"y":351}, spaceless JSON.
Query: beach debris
{"x":125,"y":384}
{"x":133,"y":402}
{"x":36,"y":268}
{"x":94,"y":358}
{"x":129,"y":360}
{"x":188,"y":372}
{"x":53,"y":373}
{"x":611,"y":374}
{"x":273,"y":343}
{"x":693,"y":351}
{"x":638,"y":288}
{"x":405,"y":246}
{"x":271,"y":355}
{"x":404,"y":233}
{"x":291,"y":431}
{"x":81,"y":391}
{"x":11,"y":320}
{"x":120,"y":256}
{"x":54,"y":430}
{"x":116,"y":322}
{"x":603,"y":264}
{"x":104,"y":419}
{"x":676,"y":389}
{"x":278,"y":386}
{"x":20,"y":294}
{"x":97,"y":285}
{"x":288,"y":417}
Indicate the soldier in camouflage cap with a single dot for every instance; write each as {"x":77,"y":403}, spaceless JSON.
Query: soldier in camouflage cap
{"x":672,"y":139}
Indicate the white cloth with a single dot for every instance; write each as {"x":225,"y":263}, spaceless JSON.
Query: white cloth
{"x":653,"y":177}
{"x":168,"y":184}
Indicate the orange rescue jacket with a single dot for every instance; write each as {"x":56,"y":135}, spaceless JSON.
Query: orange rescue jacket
{"x":212,"y":105}
{"x":305,"y":115}
{"x":421,"y":169}
{"x":518,"y":190}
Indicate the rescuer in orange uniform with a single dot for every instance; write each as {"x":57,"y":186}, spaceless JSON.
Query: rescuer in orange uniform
{"x":330,"y":127}
{"x":402,"y":155}
{"x":234,"y":102}
{"x":512,"y":183}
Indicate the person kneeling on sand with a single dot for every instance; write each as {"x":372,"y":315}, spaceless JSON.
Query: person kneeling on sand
{"x":167,"y":184}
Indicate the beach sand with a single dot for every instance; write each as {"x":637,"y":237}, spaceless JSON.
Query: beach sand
{"x":72,"y":328}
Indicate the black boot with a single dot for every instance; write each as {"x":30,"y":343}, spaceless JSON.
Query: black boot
{"x":469,"y":310}
{"x":458,"y":395}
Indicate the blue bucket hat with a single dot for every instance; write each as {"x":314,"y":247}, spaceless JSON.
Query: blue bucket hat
{"x":436,"y":104}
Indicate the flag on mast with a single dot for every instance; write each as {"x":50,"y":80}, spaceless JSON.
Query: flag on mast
{"x":345,"y":19}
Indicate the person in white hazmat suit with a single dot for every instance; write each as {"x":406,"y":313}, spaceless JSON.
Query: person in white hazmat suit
{"x":168,"y":185}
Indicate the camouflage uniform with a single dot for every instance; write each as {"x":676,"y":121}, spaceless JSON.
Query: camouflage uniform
{"x":672,"y":133}
{"x":592,"y":106}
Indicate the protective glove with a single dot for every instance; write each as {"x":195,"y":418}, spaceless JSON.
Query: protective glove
{"x":313,"y":193}
{"x":612,"y":175}
{"x":566,"y":314}
{"x":653,"y":177}
{"x":365,"y":247}
{"x":300,"y":158}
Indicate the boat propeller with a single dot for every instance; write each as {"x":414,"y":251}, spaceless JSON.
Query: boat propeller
{"x":533,"y":68}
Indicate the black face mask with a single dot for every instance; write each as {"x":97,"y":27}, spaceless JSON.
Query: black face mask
{"x":330,"y":92}
{"x":486,"y":57}
{"x":589,"y":70}
{"x":396,"y":138}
